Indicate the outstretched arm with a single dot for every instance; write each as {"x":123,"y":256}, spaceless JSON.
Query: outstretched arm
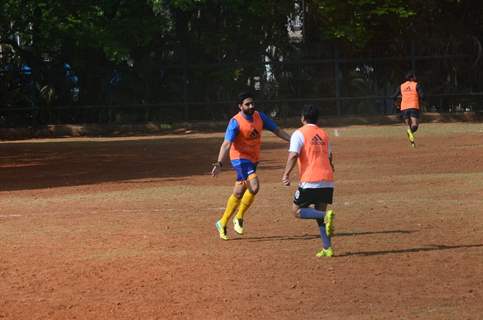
{"x":396,"y":94}
{"x":395,"y":97}
{"x":282,"y":134}
{"x":291,"y":161}
{"x":331,"y":161}
{"x":222,"y":155}
{"x":269,"y":124}
{"x":420,"y":91}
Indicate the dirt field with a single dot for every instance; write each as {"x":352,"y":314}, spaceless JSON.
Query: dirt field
{"x":123,"y":228}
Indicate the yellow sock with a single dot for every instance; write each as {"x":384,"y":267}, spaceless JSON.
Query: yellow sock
{"x":231,"y":206}
{"x":246,"y":202}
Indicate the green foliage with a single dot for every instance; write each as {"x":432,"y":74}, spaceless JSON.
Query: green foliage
{"x":96,"y":35}
{"x":357,"y":21}
{"x":114,"y":26}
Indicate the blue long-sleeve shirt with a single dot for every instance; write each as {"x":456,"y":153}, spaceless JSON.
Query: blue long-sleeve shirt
{"x":233,"y":128}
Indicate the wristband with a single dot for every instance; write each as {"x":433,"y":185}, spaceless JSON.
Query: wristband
{"x":218,"y":164}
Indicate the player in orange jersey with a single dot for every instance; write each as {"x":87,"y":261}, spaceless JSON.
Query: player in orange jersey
{"x":242,"y":142}
{"x":411,"y":93}
{"x":309,"y":146}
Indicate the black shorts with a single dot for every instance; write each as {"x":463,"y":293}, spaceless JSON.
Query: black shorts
{"x":305,"y":197}
{"x":410,"y":113}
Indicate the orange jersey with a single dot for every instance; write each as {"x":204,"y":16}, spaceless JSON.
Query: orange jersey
{"x":247,"y":143}
{"x":410,"y":96}
{"x":313,"y":160}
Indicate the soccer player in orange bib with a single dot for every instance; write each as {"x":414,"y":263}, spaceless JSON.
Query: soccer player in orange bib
{"x":411,"y":93}
{"x":309,"y":146}
{"x":242,"y":141}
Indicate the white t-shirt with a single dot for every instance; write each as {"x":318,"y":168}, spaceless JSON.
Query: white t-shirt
{"x":296,"y":144}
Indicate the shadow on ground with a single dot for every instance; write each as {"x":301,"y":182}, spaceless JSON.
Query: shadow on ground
{"x":33,"y":165}
{"x":410,"y":250}
{"x":316,"y":236}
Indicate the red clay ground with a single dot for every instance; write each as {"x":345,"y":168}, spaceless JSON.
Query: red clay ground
{"x":124,"y":229}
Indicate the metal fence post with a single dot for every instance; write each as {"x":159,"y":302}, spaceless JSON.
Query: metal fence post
{"x":337,"y":80}
{"x":185,"y":85}
{"x":413,"y":56}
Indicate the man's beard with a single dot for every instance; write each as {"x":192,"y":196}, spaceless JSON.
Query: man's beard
{"x":249,"y":112}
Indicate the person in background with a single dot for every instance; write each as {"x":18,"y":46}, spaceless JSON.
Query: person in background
{"x":411,"y":94}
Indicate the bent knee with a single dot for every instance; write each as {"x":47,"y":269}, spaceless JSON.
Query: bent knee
{"x":253,"y":188}
{"x":254,"y":191}
{"x":238,"y":194}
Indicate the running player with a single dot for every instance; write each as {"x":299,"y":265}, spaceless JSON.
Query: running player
{"x":309,"y":146}
{"x":242,"y":141}
{"x":411,"y":93}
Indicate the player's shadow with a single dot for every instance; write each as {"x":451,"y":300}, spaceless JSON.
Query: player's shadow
{"x":362,"y":233}
{"x":316,"y":236}
{"x":410,"y":250}
{"x":277,"y":238}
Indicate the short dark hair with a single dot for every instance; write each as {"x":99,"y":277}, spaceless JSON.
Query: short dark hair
{"x":244,"y":95}
{"x":310,"y":114}
{"x":411,"y":75}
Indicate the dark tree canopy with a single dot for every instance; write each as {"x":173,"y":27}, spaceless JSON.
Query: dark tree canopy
{"x":153,"y":51}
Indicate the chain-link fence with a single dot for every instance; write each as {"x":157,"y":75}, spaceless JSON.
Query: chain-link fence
{"x":339,"y":85}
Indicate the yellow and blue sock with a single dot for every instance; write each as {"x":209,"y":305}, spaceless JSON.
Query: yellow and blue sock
{"x":245,"y":203}
{"x":231,"y":205}
{"x":326,"y":241}
{"x":311,"y":213}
